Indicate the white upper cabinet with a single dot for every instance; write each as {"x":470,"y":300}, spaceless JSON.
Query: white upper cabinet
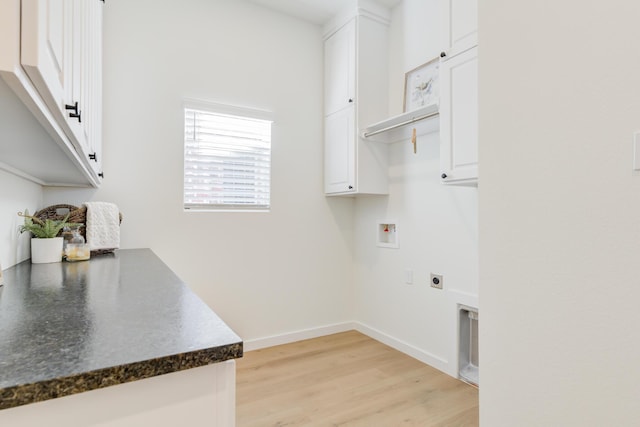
{"x":459,"y":93}
{"x":61,"y":53}
{"x":355,"y":87}
{"x":459,"y":25}
{"x":339,"y":122}
{"x":459,"y":118}
{"x":57,"y":73}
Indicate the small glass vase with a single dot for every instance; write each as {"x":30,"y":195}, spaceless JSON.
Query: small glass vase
{"x":76,"y":248}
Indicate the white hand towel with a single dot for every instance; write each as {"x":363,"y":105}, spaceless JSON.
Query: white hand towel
{"x":103,"y":225}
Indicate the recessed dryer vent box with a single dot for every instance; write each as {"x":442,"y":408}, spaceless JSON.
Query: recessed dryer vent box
{"x":387,"y":234}
{"x":468,"y":361}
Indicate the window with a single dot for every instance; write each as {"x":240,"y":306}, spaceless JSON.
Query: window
{"x":227,"y":158}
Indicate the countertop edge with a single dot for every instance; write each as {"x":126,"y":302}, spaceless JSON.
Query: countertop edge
{"x":23,"y":394}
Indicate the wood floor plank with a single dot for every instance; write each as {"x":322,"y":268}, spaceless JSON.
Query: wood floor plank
{"x":348,"y":379}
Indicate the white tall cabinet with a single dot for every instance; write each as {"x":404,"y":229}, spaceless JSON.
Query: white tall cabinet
{"x":459,"y":93}
{"x":355,"y":96}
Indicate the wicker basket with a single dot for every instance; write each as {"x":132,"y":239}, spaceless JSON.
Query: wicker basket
{"x":77,"y":215}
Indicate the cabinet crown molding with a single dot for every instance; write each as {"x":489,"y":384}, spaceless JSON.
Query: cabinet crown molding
{"x":357,"y":8}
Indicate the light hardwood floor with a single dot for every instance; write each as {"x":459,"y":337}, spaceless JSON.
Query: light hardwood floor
{"x":347,"y":379}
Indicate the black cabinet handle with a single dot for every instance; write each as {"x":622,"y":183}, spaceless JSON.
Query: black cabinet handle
{"x":351,"y":187}
{"x":93,"y":156}
{"x":73,"y":107}
{"x":443,"y":176}
{"x":101,"y":174}
{"x":76,"y":114}
{"x":443,"y":54}
{"x":350,"y":99}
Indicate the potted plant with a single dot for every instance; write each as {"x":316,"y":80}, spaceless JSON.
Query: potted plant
{"x":46,"y":246}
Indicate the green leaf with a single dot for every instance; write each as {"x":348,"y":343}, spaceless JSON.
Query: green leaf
{"x":46,"y":229}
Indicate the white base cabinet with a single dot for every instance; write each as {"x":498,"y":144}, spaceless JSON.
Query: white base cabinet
{"x":194,"y":397}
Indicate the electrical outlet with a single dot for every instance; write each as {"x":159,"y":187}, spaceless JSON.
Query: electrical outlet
{"x":436,"y":281}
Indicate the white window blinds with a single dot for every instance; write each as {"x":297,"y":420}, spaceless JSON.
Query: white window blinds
{"x":227,"y":161}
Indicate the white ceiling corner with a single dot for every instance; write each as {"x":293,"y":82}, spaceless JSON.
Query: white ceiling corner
{"x":316,"y":11}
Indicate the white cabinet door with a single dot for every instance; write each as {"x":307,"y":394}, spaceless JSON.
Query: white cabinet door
{"x":340,"y":72}
{"x":460,"y":25}
{"x":459,"y":118}
{"x":86,"y":82}
{"x":75,"y":91}
{"x":339,"y":151}
{"x":46,"y":43}
{"x":91,"y":80}
{"x":339,"y":135}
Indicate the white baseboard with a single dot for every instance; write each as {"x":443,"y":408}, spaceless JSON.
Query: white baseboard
{"x":304,"y":334}
{"x":421,"y":355}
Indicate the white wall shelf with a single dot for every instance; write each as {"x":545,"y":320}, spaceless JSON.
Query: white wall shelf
{"x":400,"y":128}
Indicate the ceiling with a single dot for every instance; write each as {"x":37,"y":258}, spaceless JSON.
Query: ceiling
{"x":316,"y":11}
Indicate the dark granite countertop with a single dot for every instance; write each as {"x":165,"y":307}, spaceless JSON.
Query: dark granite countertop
{"x":68,"y":327}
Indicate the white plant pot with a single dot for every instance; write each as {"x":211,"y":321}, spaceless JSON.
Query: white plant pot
{"x":46,"y":250}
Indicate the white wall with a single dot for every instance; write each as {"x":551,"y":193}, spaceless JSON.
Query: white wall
{"x":559,"y":213}
{"x":437,"y":223}
{"x":16,"y":194}
{"x":19,"y":126}
{"x":263,"y":273}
